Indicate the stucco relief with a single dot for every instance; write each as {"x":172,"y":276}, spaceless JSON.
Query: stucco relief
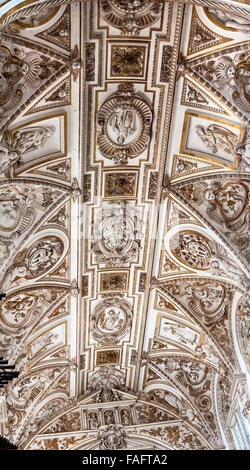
{"x":179,"y":333}
{"x":229,"y":73}
{"x":217,"y":137}
{"x":225,"y":202}
{"x":107,"y":377}
{"x":87,"y":195}
{"x":132,"y":17}
{"x":16,"y":310}
{"x":123,"y":125}
{"x":117,"y":234}
{"x":111,"y":320}
{"x":243,"y":327}
{"x":225,"y":19}
{"x":21,"y":72}
{"x":14,"y":144}
{"x":34,"y":261}
{"x":112,"y":437}
{"x":192,"y":248}
{"x":21,"y":206}
{"x":210,"y":302}
{"x":198,"y":252}
{"x":195,"y":377}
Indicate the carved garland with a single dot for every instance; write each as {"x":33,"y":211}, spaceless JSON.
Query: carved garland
{"x":111,"y":320}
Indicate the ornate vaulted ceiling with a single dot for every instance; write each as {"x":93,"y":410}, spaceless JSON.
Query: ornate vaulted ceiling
{"x":124,"y":219}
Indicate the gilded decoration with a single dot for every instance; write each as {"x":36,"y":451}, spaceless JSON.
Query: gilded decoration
{"x":13,"y":202}
{"x":124,"y":224}
{"x":34,"y":261}
{"x":212,"y":138}
{"x":196,"y":377}
{"x":192,"y":95}
{"x":201,"y":36}
{"x":12,"y":70}
{"x":17,"y":309}
{"x":59,"y":170}
{"x":31,"y":21}
{"x":209,"y":299}
{"x":152,"y":185}
{"x":59,"y":33}
{"x":20,"y":208}
{"x":217,"y":137}
{"x":166,"y":63}
{"x":133,"y":16}
{"x":243,"y":321}
{"x":225,"y":20}
{"x":14,"y":145}
{"x":127,"y":61}
{"x":195,"y":97}
{"x":90,"y":61}
{"x":105,"y":378}
{"x":117,"y":234}
{"x":185,"y":166}
{"x":60,"y":95}
{"x":111,"y":320}
{"x":210,"y":303}
{"x":234,"y":73}
{"x":112,"y":437}
{"x":225,"y":203}
{"x":85,"y":286}
{"x":123,"y":125}
{"x":22,"y":72}
{"x":243,"y":151}
{"x":173,"y":333}
{"x":192,"y":249}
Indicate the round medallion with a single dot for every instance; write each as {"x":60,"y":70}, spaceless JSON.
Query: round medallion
{"x":11,"y":205}
{"x":117,"y":235}
{"x":111,"y":320}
